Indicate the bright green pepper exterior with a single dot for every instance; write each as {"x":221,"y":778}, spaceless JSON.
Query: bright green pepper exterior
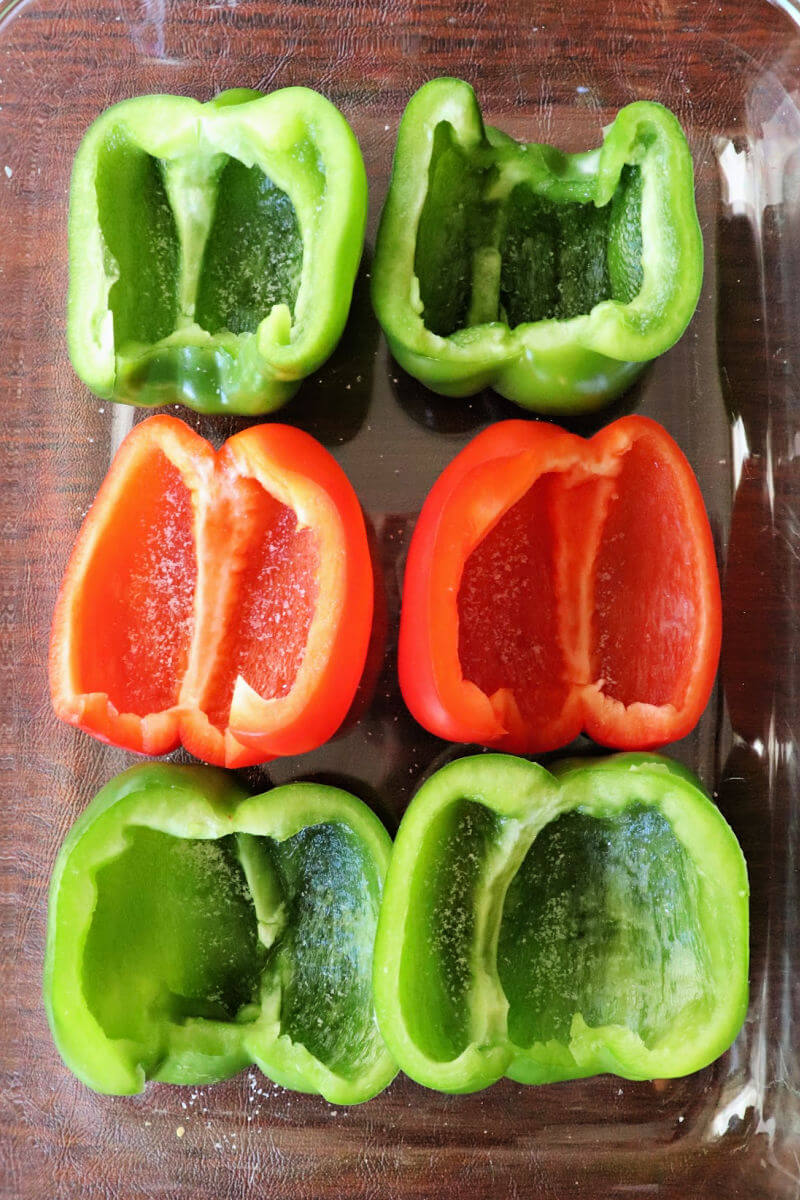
{"x":555,"y":925}
{"x":193,"y":931}
{"x":213,"y":247}
{"x":553,"y":278}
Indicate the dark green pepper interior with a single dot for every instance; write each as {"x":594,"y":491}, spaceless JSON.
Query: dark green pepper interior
{"x":254,"y":253}
{"x":524,"y":258}
{"x":324,"y":954}
{"x":436,"y":970}
{"x":175,"y":936}
{"x":139,"y":230}
{"x":601,"y":918}
{"x":251,"y":260}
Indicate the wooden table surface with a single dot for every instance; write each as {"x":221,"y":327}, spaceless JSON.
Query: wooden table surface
{"x":728,"y":392}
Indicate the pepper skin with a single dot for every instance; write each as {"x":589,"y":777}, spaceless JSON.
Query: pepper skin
{"x":193,"y":931}
{"x":222,"y":601}
{"x":555,"y":585}
{"x":551,"y":277}
{"x":213,"y":247}
{"x":555,"y":926}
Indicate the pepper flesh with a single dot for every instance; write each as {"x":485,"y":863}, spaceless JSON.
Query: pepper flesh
{"x":213,"y":247}
{"x":554,"y":585}
{"x":193,"y":931}
{"x":219,"y":601}
{"x":551,"y":277}
{"x":555,"y":926}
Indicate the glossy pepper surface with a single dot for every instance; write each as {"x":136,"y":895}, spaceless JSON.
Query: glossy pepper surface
{"x":213,"y":247}
{"x":549,"y":926}
{"x":193,"y":931}
{"x":550,"y":277}
{"x":222,"y":601}
{"x":556,"y":584}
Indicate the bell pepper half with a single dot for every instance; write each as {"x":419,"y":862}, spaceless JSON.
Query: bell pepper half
{"x":218,"y":600}
{"x":549,"y":926}
{"x":212,"y":247}
{"x":555,"y":585}
{"x":551,"y":277}
{"x":193,"y":931}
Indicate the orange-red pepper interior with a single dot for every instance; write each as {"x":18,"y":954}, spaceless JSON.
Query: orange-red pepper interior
{"x":529,"y":622}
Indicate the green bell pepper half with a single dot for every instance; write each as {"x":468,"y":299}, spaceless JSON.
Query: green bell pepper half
{"x":213,"y":247}
{"x":193,"y":931}
{"x":554,"y":925}
{"x":551,"y":277}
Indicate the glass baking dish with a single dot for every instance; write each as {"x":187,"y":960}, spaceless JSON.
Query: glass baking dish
{"x":728,"y":392}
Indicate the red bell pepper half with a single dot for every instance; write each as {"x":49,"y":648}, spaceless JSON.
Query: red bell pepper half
{"x":218,"y":600}
{"x":555,"y":585}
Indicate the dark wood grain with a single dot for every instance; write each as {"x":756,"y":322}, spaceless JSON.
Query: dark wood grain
{"x":728,"y":392}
